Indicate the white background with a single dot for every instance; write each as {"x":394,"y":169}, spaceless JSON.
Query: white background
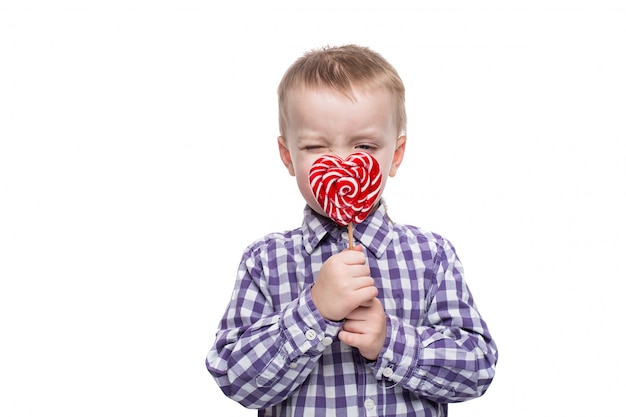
{"x":138,"y":158}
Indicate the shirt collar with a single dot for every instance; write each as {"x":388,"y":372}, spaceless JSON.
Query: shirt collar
{"x":375,"y":233}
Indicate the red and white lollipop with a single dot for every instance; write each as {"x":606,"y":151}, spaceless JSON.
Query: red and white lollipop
{"x":347,"y":190}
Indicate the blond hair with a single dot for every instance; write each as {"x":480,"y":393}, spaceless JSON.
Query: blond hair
{"x":343,"y":69}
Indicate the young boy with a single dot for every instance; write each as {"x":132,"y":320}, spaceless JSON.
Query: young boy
{"x":388,"y":328}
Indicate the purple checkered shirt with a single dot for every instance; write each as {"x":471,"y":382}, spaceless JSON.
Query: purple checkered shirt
{"x":274,"y":351}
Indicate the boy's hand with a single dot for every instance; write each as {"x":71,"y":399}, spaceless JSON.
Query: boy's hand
{"x":343,"y":284}
{"x":365,"y":328}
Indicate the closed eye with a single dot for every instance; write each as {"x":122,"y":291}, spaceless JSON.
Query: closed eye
{"x":315,"y":148}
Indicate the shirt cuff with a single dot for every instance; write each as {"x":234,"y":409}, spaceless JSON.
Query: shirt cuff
{"x":400,"y":353}
{"x":305,"y":330}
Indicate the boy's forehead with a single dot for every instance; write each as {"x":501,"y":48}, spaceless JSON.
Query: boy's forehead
{"x":351,"y":92}
{"x":322,"y":108}
{"x":301,"y":104}
{"x":295,"y":97}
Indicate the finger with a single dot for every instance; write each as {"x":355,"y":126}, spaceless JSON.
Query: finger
{"x":349,"y":338}
{"x":359,"y":282}
{"x":354,"y":339}
{"x":365,"y":283}
{"x":367,"y":304}
{"x":365,"y":294}
{"x":358,"y":270}
{"x":354,"y":326}
{"x":354,"y":256}
{"x":360,"y":313}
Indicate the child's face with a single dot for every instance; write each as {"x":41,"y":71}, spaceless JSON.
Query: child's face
{"x":322,"y":121}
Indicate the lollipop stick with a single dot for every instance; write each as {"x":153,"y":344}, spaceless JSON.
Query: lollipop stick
{"x":350,"y":238}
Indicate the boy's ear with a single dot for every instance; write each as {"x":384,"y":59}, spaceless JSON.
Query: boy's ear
{"x":398,"y":155}
{"x":285,"y":156}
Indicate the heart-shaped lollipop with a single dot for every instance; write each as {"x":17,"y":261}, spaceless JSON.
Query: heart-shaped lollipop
{"x":346,"y":189}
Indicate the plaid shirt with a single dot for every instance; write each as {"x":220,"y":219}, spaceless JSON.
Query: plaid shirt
{"x":274,"y":351}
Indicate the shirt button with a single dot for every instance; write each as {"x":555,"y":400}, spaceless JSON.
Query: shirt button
{"x":344,"y":235}
{"x":387,"y":372}
{"x":293,"y":365}
{"x":369,"y":404}
{"x":310,"y":334}
{"x":327,"y":341}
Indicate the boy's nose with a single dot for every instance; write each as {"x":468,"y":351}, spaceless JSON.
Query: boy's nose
{"x":343,"y":153}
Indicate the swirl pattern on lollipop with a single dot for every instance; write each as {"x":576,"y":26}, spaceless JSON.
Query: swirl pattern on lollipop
{"x":346,"y":189}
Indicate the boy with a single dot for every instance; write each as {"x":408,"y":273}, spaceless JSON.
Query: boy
{"x":388,"y":328}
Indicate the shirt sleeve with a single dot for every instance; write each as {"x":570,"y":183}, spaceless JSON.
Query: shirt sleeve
{"x":450,"y":356}
{"x":260,"y":355}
